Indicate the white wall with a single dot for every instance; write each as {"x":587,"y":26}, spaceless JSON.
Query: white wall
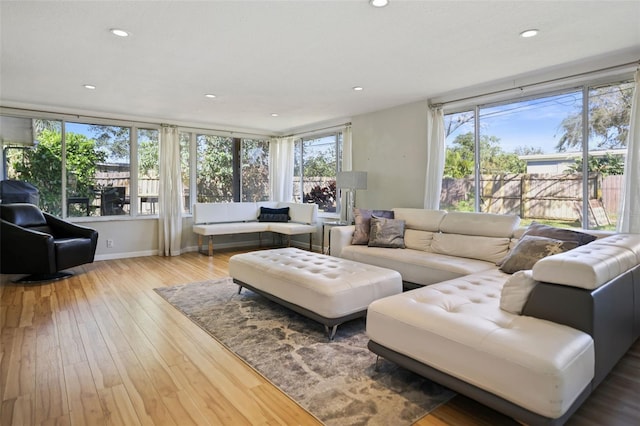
{"x":131,"y":237}
{"x":391,"y":145}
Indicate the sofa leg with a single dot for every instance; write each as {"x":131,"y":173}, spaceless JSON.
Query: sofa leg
{"x":210,"y":245}
{"x":310,"y":242}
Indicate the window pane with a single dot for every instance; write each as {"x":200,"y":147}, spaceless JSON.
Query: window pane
{"x":255,"y":170}
{"x":318,"y":163}
{"x":40,"y":164}
{"x":528,"y":153}
{"x":185,"y":142}
{"x":609,"y":116}
{"x":107,"y":182}
{"x":214,"y":168}
{"x":458,"y":185}
{"x":148,"y":170}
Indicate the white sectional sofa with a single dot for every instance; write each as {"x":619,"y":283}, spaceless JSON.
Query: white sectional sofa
{"x":212,"y":219}
{"x":579,"y":311}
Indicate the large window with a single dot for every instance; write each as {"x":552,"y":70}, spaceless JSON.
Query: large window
{"x":315,"y":168}
{"x":527,"y":157}
{"x":95,"y":160}
{"x":231,"y":169}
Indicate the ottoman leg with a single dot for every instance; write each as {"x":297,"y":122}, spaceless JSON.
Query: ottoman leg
{"x":331,"y":333}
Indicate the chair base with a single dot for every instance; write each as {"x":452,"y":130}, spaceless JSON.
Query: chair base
{"x":40,"y":278}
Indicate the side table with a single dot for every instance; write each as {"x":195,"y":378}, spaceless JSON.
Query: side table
{"x":330,"y":225}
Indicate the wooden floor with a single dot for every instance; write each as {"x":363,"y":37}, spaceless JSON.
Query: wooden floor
{"x":103,"y":348}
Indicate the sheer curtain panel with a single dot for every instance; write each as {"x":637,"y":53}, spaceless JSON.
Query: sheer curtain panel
{"x":281,"y":169}
{"x":170,"y":193}
{"x":629,"y":218}
{"x":346,"y":166}
{"x":435,"y":160}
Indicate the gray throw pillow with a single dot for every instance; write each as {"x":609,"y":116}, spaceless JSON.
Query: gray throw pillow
{"x":363,"y":224}
{"x":540,"y":230}
{"x":530,"y":249}
{"x":387,"y":233}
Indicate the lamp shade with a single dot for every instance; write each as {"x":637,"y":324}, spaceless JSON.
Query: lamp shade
{"x":351,"y":180}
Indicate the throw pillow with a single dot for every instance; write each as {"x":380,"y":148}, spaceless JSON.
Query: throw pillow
{"x":387,"y":233}
{"x":516,"y":291}
{"x":363,"y":224}
{"x":541,"y":230}
{"x":274,"y":215}
{"x":530,"y":249}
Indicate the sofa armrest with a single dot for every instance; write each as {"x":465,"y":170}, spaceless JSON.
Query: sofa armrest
{"x":340,"y":237}
{"x":607,"y":313}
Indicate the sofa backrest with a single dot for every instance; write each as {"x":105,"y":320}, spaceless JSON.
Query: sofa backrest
{"x":302,"y":213}
{"x":482,"y":236}
{"x":248,"y":211}
{"x":224,"y":212}
{"x":481,"y":224}
{"x":421,"y":219}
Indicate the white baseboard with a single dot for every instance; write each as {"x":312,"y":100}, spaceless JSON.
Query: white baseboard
{"x":234,"y":245}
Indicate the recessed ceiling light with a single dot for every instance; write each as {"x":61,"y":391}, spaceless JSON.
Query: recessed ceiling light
{"x":210,"y":95}
{"x":274,"y":114}
{"x":89,"y":86}
{"x":529,"y":33}
{"x":118,"y":32}
{"x":358,"y":88}
{"x":378,"y":3}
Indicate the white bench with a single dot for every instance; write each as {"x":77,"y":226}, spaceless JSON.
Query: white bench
{"x":237,"y":218}
{"x":324,"y":288}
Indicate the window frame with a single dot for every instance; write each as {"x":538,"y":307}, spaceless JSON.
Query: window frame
{"x":133,"y":127}
{"x":476,"y":104}
{"x":339,"y":137}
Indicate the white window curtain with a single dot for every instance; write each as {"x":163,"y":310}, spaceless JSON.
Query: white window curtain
{"x":170,"y":193}
{"x":281,"y":169}
{"x":346,"y":165}
{"x":435,"y":160}
{"x":629,"y":217}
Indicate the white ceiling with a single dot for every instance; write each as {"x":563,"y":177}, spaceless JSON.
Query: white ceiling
{"x":299,"y":59}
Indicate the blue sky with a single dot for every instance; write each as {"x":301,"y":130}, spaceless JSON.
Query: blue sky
{"x":533,"y":123}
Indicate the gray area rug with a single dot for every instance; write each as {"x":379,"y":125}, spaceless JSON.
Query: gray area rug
{"x":336,"y":381}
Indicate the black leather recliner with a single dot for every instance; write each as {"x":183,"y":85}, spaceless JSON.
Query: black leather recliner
{"x":37,"y":243}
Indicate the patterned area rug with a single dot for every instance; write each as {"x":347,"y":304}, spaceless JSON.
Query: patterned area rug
{"x":336,"y":381}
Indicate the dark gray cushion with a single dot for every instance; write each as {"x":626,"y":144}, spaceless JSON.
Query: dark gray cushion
{"x":387,"y":233}
{"x":540,"y":230}
{"x":274,"y":215}
{"x":530,"y":249}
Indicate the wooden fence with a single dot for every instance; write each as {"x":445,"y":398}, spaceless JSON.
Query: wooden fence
{"x":539,"y":196}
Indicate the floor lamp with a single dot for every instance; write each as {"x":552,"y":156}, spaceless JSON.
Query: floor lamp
{"x":351,"y":181}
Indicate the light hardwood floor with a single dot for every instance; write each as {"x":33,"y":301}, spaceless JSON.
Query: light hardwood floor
{"x":103,"y":348}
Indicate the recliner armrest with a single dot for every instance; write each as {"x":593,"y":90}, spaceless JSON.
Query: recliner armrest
{"x":66,"y":229}
{"x":26,"y":251}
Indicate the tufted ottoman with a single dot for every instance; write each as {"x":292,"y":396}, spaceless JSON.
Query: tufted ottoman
{"x":327,"y":289}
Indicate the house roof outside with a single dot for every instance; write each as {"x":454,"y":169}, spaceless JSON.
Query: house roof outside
{"x":558,"y":162}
